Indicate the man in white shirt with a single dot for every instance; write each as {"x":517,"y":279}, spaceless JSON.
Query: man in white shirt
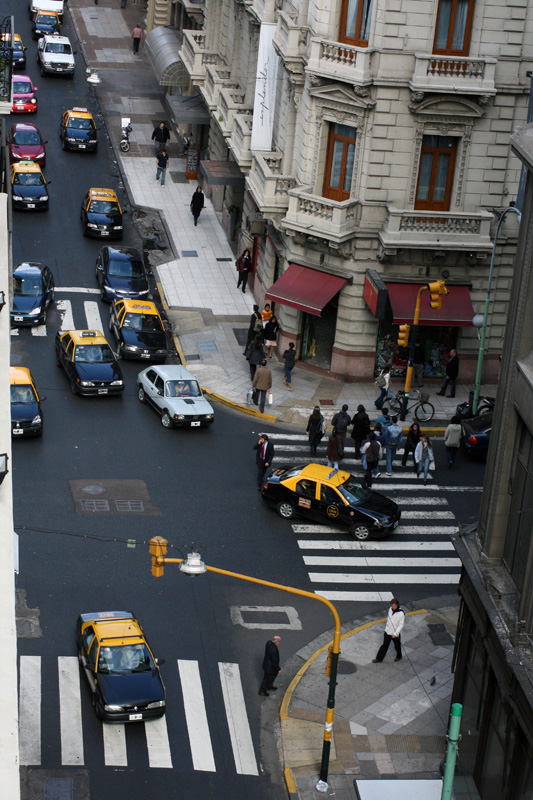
{"x":393,"y":629}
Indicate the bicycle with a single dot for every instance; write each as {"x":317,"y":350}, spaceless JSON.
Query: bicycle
{"x":424,"y":410}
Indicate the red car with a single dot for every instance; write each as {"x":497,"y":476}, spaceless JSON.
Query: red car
{"x":24,"y":99}
{"x":26,"y":144}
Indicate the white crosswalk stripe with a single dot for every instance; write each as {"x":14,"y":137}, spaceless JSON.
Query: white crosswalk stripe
{"x":87,"y":319}
{"x":30,"y":710}
{"x":70,"y":711}
{"x":197,"y":725}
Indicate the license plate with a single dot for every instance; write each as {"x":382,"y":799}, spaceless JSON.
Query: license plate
{"x":82,"y":146}
{"x":195,"y":424}
{"x":133,"y":717}
{"x":145,"y":355}
{"x":17,"y":431}
{"x":18,"y":319}
{"x":59,"y":69}
{"x":103,"y":391}
{"x":30,"y":205}
{"x":104,"y":233}
{"x":20,"y":108}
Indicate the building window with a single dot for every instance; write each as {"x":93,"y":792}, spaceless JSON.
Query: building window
{"x":518,"y":534}
{"x":435,"y":177}
{"x":454,"y":25}
{"x":339,"y":162}
{"x":355,"y":22}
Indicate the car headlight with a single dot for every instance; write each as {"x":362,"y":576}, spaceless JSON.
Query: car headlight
{"x":144,"y":291}
{"x":36,"y":420}
{"x":71,"y":139}
{"x":117,"y":227}
{"x":130,"y":347}
{"x":179,"y":416}
{"x":117,"y":383}
{"x":17,"y":197}
{"x":43,"y":199}
{"x":91,"y":225}
{"x":34,"y":101}
{"x":41,"y":155}
{"x":160,"y":352}
{"x":87,"y":383}
{"x":35,"y":312}
{"x":157,"y":704}
{"x":92,"y":141}
{"x":113,"y":708}
{"x":210,"y":416}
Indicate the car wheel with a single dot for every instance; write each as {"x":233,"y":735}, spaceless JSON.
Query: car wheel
{"x":141,"y":395}
{"x":63,"y":144}
{"x":166,"y":422}
{"x":73,"y":388}
{"x":99,"y":710}
{"x":286,"y":509}
{"x":58,"y":362}
{"x":43,"y":73}
{"x":360,"y":532}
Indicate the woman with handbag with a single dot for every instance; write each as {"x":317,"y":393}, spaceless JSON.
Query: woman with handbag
{"x":383,"y":384}
{"x":244,"y":267}
{"x":255,"y":353}
{"x":424,"y":457}
{"x":270,"y":332}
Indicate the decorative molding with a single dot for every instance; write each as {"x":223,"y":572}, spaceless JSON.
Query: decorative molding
{"x":417,"y":97}
{"x":459,"y":128}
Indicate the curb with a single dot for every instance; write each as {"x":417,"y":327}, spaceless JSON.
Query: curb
{"x":290,"y":784}
{"x":238,"y":406}
{"x":175,"y":337}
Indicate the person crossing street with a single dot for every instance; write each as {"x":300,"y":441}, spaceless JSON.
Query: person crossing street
{"x":393,"y":629}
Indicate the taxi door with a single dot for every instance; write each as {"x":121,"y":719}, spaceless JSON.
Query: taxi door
{"x":63,"y":124}
{"x":306,"y":498}
{"x":332,"y":507}
{"x":89,"y":649}
{"x":65,"y":352}
{"x":116,"y":318}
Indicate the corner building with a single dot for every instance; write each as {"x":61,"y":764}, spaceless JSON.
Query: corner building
{"x":380,"y":163}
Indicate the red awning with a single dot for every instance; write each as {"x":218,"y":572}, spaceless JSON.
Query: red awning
{"x":456,"y":309}
{"x":306,"y":289}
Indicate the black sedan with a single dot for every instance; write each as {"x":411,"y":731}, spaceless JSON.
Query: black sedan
{"x":33,"y":291}
{"x":89,"y":362}
{"x":476,"y":434}
{"x":322,"y":495}
{"x":121,"y":273}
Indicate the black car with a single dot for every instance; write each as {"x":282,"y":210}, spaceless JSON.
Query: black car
{"x":33,"y":291}
{"x":26,"y":411}
{"x":322,"y":495}
{"x":476,"y":434}
{"x":29,"y":187}
{"x":121,"y":274}
{"x":101,"y":214}
{"x":89,"y":362}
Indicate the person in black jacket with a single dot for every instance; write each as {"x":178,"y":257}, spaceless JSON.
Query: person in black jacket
{"x":197,"y":203}
{"x":263,"y":458}
{"x":316,"y":428}
{"x":256,"y":326}
{"x":270,"y":333}
{"x":411,"y":441}
{"x":270,"y":666}
{"x":255,"y":353}
{"x":161,"y":137}
{"x":361,"y":429}
{"x":289,"y":357}
{"x":340,"y":422}
{"x":452,"y":371}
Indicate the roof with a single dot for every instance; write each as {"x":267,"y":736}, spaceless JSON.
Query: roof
{"x":118,"y":630}
{"x":174,"y":372}
{"x":85,"y":337}
{"x":26,"y":166}
{"x":319,"y":472}
{"x":162,"y":47}
{"x":109,"y":193}
{"x":19,"y":375}
{"x":47,"y":13}
{"x":83,"y":113}
{"x":28,"y":268}
{"x":6,"y":37}
{"x":139,"y":306}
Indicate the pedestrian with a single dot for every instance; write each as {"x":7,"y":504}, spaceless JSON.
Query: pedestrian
{"x":392,"y":439}
{"x":266,"y":314}
{"x":255,"y":354}
{"x":271,"y":666}
{"x":383,"y":384}
{"x":393,"y":630}
{"x":270,"y":333}
{"x":419,"y":360}
{"x":160,"y":137}
{"x":361,"y":429}
{"x":384,"y":420}
{"x":187,"y":142}
{"x":289,"y":357}
{"x":262,"y":381}
{"x":263,"y":458}
{"x":316,"y":428}
{"x":255,"y":327}
{"x":452,"y":440}
{"x":161,"y":160}
{"x":244,"y":267}
{"x":452,"y":371}
{"x":424,"y":457}
{"x":197,"y":203}
{"x":411,"y":441}
{"x":334,"y":452}
{"x":372,"y":452}
{"x":340,"y":422}
{"x":137,"y":36}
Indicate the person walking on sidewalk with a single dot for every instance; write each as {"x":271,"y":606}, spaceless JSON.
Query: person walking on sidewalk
{"x":340,"y":422}
{"x":289,"y":357}
{"x":197,"y":203}
{"x":372,"y":453}
{"x":392,"y":439}
{"x":384,"y":420}
{"x":424,"y":457}
{"x":419,"y":360}
{"x":452,"y":371}
{"x":263,"y":383}
{"x":255,"y":354}
{"x":162,"y":163}
{"x":161,"y":137}
{"x":334,"y":453}
{"x":393,"y":630}
{"x":383,"y":384}
{"x":137,"y":36}
{"x":361,"y":429}
{"x":271,"y":666}
{"x":270,"y":333}
{"x":411,"y":441}
{"x":452,"y":440}
{"x":263,"y":458}
{"x":244,"y":267}
{"x":316,"y":428}
{"x":255,"y":327}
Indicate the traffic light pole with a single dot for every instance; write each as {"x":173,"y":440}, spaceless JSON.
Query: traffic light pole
{"x":412,"y":345}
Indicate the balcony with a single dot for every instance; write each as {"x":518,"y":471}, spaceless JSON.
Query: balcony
{"x":217,"y":77}
{"x":441,"y":230}
{"x":241,"y":139}
{"x":290,"y":42}
{"x":450,"y":74}
{"x":268,"y":186}
{"x":231,"y":102}
{"x":195,"y":9}
{"x":263,"y":10}
{"x":321,"y":217}
{"x":195,"y":57}
{"x":340,"y":62}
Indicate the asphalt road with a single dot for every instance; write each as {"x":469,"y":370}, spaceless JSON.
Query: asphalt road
{"x":196,"y":486}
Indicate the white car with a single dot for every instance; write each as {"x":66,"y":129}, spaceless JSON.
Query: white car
{"x":176,"y":394}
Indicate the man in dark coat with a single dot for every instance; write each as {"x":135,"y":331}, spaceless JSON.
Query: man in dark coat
{"x":263,"y":458}
{"x":452,"y":371}
{"x":160,"y":137}
{"x":270,"y":666}
{"x":197,"y":203}
{"x":340,"y":422}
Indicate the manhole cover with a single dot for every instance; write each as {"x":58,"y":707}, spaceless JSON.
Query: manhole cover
{"x":207,"y":346}
{"x":94,"y":505}
{"x":58,"y":789}
{"x":346,"y":668}
{"x":92,"y":489}
{"x":326,"y":402}
{"x":438,"y":634}
{"x":129,"y":505}
{"x":189,"y":253}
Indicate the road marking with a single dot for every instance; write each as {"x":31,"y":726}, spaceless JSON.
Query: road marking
{"x":379,"y":561}
{"x":158,"y":746}
{"x":92,"y":314}
{"x":239,"y":728}
{"x":195,"y":714}
{"x":390,"y":578}
{"x":115,"y":753}
{"x":39,"y":330}
{"x":412,"y":530}
{"x":422,"y":501}
{"x":332,"y":544}
{"x":372,"y":597}
{"x":70,"y":711}
{"x":428,"y":514}
{"x":30,"y":711}
{"x":76,"y":290}
{"x":65,"y":310}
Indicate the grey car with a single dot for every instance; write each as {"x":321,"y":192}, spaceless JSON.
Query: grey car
{"x":176,"y":394}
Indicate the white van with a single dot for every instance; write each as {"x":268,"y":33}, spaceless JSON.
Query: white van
{"x":45,"y":5}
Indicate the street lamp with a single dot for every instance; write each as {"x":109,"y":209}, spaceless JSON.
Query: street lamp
{"x":193,"y":566}
{"x":485,"y":317}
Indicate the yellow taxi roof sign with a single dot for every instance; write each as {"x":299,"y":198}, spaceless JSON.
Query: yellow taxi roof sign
{"x":139,"y":306}
{"x":320,"y":472}
{"x":19,"y":375}
{"x":110,"y":193}
{"x":78,"y":111}
{"x":87,"y":337}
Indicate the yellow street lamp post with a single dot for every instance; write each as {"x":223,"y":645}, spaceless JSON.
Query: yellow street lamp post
{"x":193,"y":565}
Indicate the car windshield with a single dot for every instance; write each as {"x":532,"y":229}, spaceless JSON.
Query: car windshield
{"x":22,"y":87}
{"x":93,"y":353}
{"x":125,"y":268}
{"x":142,"y":322}
{"x":59,"y":47}
{"x":80,"y":124}
{"x":104,"y":207}
{"x":26,"y":137}
{"x":182,"y":389}
{"x":45,"y":19}
{"x":353,"y":490}
{"x":124,"y":659}
{"x":26,"y":286}
{"x":17,"y":45}
{"x":28,"y":179}
{"x":291,"y":473}
{"x":23,"y":393}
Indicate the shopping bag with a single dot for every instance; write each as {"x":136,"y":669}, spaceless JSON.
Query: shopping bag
{"x":269,"y":397}
{"x":249,"y":395}
{"x":255,"y":397}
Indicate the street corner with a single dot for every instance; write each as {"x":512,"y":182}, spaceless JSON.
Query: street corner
{"x":244,"y":409}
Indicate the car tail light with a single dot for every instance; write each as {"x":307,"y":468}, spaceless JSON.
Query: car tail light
{"x":472,"y":439}
{"x":265,"y":486}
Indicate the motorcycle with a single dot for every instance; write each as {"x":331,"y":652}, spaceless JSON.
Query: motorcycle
{"x":485,"y":406}
{"x":125,"y":139}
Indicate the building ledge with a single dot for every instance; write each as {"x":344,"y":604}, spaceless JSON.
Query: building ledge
{"x":443,"y":230}
{"x":449,"y":74}
{"x":320,"y":217}
{"x":340,"y":62}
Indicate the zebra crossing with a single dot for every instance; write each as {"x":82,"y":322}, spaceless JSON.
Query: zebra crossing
{"x":72,"y":711}
{"x":418,"y":554}
{"x":89,"y":318}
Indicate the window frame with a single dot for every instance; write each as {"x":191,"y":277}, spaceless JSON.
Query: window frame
{"x":437,"y":205}
{"x":328,"y":191}
{"x":355,"y":41}
{"x":448,"y":51}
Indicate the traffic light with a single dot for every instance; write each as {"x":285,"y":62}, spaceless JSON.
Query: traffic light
{"x":158,"y":549}
{"x":403,"y":336}
{"x":436,"y":290}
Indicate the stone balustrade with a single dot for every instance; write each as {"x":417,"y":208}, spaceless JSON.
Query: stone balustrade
{"x":194,"y":56}
{"x":291,"y":39}
{"x":269,"y":187}
{"x":434,"y":73}
{"x":241,"y":139}
{"x":321,"y":217}
{"x":265,"y":10}
{"x":339,"y":61}
{"x":230,"y":103}
{"x":437,"y":229}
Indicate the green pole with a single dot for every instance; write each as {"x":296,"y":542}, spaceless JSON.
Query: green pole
{"x":451,"y":751}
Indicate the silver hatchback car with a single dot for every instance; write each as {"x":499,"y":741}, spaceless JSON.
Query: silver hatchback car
{"x":176,"y":394}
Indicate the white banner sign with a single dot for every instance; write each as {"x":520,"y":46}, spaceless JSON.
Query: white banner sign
{"x":265,"y":90}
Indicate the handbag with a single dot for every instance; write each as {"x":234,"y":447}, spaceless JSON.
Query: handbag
{"x":380,"y":381}
{"x":255,"y":397}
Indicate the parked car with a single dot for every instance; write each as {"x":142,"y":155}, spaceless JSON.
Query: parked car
{"x":476,"y":434}
{"x":19,"y":51}
{"x":33,"y":291}
{"x":26,"y":144}
{"x":26,"y":411}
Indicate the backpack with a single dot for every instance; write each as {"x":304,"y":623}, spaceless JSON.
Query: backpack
{"x":258,"y":325}
{"x":372,"y":454}
{"x":380,"y":381}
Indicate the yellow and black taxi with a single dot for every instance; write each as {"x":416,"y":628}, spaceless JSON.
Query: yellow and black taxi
{"x":29,"y":187}
{"x":122,"y":672}
{"x":78,"y":130}
{"x":320,"y":494}
{"x":19,"y":51}
{"x":91,"y":366}
{"x":26,"y":412}
{"x":101,"y":214}
{"x":139,"y":330}
{"x":45,"y":22}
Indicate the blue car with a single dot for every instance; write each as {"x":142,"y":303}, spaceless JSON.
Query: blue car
{"x":476,"y":434}
{"x":121,"y":274}
{"x":33,"y":291}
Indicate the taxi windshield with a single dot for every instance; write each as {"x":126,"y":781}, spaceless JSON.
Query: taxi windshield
{"x":17,"y":45}
{"x":28,"y":179}
{"x":354,"y":491}
{"x":124,"y":659}
{"x":104,"y":207}
{"x":93,"y":353}
{"x":25,"y":286}
{"x":59,"y":47}
{"x":182,"y":389}
{"x":142,"y":322}
{"x":125,"y":269}
{"x":22,"y":87}
{"x":23,"y":393}
{"x":26,"y":137}
{"x":46,"y":19}
{"x":78,"y":124}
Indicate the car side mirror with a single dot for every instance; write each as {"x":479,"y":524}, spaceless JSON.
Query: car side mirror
{"x":45,"y":141}
{"x":160,"y":392}
{"x":159,"y":661}
{"x":42,"y":399}
{"x":100,"y":267}
{"x":48,"y":183}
